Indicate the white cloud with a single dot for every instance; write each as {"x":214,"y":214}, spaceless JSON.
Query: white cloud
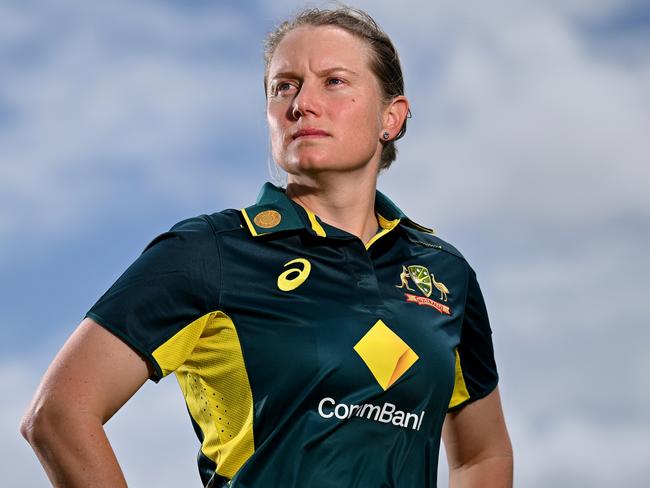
{"x":101,"y":95}
{"x":569,"y":451}
{"x":521,"y":117}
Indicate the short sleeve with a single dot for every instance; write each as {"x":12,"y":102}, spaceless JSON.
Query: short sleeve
{"x":170,"y":286}
{"x":476,"y":371}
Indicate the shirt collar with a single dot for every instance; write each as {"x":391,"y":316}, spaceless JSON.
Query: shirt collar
{"x":275,"y":212}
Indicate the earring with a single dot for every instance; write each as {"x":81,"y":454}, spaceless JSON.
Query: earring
{"x":385,"y":135}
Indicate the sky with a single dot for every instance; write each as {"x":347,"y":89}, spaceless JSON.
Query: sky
{"x":528,"y":149}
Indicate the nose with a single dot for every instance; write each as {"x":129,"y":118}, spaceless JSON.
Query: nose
{"x":305,"y":102}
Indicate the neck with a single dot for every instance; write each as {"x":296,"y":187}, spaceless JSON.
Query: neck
{"x":343,"y":200}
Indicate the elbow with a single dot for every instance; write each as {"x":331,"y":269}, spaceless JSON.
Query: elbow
{"x":39,"y":423}
{"x":48,"y":423}
{"x":33,"y":425}
{"x":26,"y":427}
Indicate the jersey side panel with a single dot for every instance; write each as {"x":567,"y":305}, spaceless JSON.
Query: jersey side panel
{"x":460,"y":394}
{"x":217,"y":391}
{"x":476,"y":368}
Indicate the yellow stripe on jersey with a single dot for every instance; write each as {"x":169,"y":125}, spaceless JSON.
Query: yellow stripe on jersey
{"x":207,"y":359}
{"x":315,"y":225}
{"x":460,"y":393}
{"x":251,"y":227}
{"x":386,"y":226}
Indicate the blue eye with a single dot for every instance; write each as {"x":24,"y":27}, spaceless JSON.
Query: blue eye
{"x":334,"y":81}
{"x":283,"y":87}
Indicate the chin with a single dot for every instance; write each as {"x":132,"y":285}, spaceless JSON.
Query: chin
{"x":300,"y":165}
{"x":311,"y":164}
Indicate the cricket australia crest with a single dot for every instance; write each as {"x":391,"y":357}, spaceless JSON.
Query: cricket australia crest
{"x":425,"y":282}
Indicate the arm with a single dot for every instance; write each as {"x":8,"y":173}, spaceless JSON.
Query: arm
{"x":92,"y":376}
{"x":477,"y":445}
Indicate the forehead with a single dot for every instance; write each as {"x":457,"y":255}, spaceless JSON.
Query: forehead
{"x":320,"y":48}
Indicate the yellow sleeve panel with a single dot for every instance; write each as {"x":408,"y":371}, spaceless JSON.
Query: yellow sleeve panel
{"x":171,"y":354}
{"x":460,"y":393}
{"x":216,"y":387}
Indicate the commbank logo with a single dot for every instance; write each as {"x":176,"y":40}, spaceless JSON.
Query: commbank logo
{"x":386,"y":413}
{"x":387,"y":356}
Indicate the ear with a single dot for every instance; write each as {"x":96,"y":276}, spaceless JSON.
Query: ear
{"x":394,"y":115}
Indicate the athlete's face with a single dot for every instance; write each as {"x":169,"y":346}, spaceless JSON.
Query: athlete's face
{"x":324,"y":107}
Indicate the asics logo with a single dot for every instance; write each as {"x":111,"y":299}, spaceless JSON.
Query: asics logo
{"x":294,"y":276}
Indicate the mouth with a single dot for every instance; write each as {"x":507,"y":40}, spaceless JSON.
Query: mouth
{"x":309,"y":133}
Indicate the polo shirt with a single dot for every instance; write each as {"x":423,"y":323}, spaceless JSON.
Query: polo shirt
{"x":306,"y":357}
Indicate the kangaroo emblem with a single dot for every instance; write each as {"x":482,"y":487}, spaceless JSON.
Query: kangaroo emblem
{"x":404,"y":276}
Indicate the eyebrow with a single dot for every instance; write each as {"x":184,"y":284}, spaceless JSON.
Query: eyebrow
{"x":324,"y":72}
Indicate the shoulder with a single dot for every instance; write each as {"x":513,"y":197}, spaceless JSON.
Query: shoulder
{"x":198,"y":234}
{"x":224,"y":221}
{"x":216,"y":222}
{"x":202,"y":227}
{"x":432,"y":241}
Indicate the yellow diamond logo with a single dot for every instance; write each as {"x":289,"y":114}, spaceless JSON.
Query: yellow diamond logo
{"x":387,"y":356}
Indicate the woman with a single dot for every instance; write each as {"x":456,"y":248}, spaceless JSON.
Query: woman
{"x":319,"y":336}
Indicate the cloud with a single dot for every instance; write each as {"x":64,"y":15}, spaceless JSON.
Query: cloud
{"x":572,"y":451}
{"x":98,"y":101}
{"x":528,"y":122}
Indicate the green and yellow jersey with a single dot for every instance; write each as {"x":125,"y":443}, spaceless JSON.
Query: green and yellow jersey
{"x":306,"y":358}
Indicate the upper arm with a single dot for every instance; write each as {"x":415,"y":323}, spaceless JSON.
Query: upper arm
{"x":475,"y":432}
{"x":94,"y":373}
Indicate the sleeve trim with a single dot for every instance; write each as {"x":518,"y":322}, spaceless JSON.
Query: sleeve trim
{"x":477,"y":396}
{"x":131,"y":343}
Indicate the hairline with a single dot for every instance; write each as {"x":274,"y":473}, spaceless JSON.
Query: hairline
{"x":372,"y":56}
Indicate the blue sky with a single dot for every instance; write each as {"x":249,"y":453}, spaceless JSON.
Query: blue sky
{"x":528,"y":150}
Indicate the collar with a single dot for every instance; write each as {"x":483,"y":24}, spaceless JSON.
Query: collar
{"x":275,"y":212}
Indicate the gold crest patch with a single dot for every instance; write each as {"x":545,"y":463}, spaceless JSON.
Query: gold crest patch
{"x":267,"y":219}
